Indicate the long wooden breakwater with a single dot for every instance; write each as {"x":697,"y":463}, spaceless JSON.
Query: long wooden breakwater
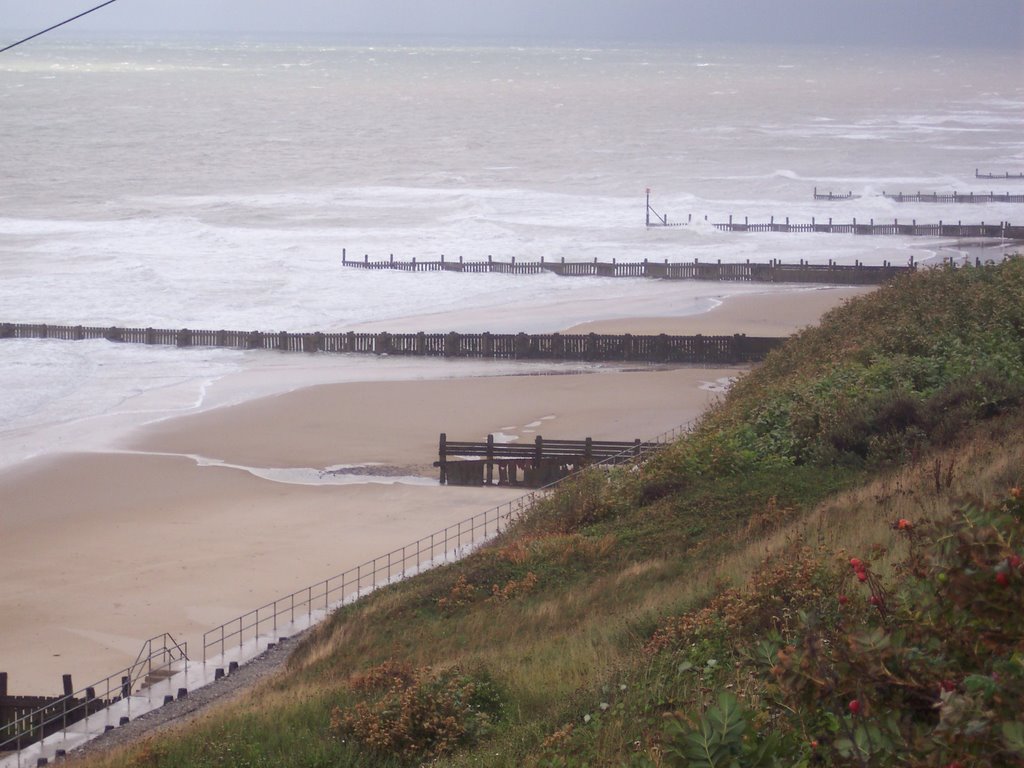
{"x":929,"y":197}
{"x":765,"y":272}
{"x":1003,"y":229}
{"x":953,"y":197}
{"x":1005,"y":175}
{"x":591,"y":347}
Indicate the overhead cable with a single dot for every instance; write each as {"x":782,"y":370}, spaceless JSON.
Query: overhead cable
{"x":50,"y":29}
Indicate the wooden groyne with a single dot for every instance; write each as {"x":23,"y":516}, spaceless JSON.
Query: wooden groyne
{"x":1003,"y":230}
{"x":954,"y":197}
{"x":832,"y":196}
{"x":978,"y":175}
{"x":590,"y":347}
{"x":930,"y":197}
{"x":541,"y":462}
{"x":25,"y":720}
{"x":765,"y":272}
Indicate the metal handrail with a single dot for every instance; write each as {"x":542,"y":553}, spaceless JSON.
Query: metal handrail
{"x":448,"y":543}
{"x":119,"y":686}
{"x":78,"y":705}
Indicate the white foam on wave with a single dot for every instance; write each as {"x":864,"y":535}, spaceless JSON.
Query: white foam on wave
{"x":209,"y":211}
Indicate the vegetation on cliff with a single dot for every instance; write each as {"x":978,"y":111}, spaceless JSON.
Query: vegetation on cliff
{"x":827,"y":571}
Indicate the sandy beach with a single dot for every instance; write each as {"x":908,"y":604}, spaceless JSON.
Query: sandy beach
{"x":188,"y":522}
{"x":755,"y":314}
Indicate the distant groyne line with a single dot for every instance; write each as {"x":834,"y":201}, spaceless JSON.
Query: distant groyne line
{"x":1006,"y":175}
{"x":590,"y":347}
{"x":953,"y":197}
{"x":1003,"y":230}
{"x":765,"y":272}
{"x":930,"y":197}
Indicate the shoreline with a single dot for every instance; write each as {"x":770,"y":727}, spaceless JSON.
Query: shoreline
{"x":144,"y":537}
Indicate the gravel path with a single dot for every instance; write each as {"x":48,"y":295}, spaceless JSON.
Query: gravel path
{"x":181,"y":711}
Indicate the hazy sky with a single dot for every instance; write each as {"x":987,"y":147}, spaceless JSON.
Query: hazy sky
{"x":972,"y":23}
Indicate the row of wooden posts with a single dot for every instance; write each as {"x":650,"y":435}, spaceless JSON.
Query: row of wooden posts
{"x":929,"y":197}
{"x":590,"y":347}
{"x":1005,"y":175}
{"x":1003,"y":229}
{"x":757,"y":272}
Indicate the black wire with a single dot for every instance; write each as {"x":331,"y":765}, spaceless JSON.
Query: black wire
{"x":50,"y":29}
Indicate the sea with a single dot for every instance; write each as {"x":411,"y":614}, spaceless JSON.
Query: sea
{"x":217,"y":183}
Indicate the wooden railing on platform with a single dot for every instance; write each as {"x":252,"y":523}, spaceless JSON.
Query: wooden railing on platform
{"x":765,"y":272}
{"x":590,"y":347}
{"x":542,"y":462}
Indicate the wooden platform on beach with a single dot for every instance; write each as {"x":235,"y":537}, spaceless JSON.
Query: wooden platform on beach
{"x":540,"y":463}
{"x":590,"y":347}
{"x":764,"y":272}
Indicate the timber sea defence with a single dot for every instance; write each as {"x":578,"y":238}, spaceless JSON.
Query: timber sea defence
{"x":745,"y":272}
{"x":1001,"y":230}
{"x":590,"y":347}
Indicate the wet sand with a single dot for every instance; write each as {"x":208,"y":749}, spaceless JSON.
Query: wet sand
{"x":174,"y":529}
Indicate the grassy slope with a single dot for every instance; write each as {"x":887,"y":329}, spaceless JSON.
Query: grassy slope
{"x":606,"y":629}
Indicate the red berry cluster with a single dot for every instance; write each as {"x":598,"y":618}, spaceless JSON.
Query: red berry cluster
{"x":859,"y":568}
{"x":1006,"y":568}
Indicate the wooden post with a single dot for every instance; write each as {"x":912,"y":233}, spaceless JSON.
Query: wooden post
{"x":737,"y":347}
{"x":588,"y":450}
{"x":3,"y":685}
{"x":489,"y":480}
{"x":522,"y":346}
{"x":69,"y":687}
{"x":442,"y":453}
{"x":452,"y":344}
{"x":661,"y":348}
{"x":538,"y":451}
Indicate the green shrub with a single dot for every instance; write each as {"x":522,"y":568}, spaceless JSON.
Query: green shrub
{"x":417,"y":715}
